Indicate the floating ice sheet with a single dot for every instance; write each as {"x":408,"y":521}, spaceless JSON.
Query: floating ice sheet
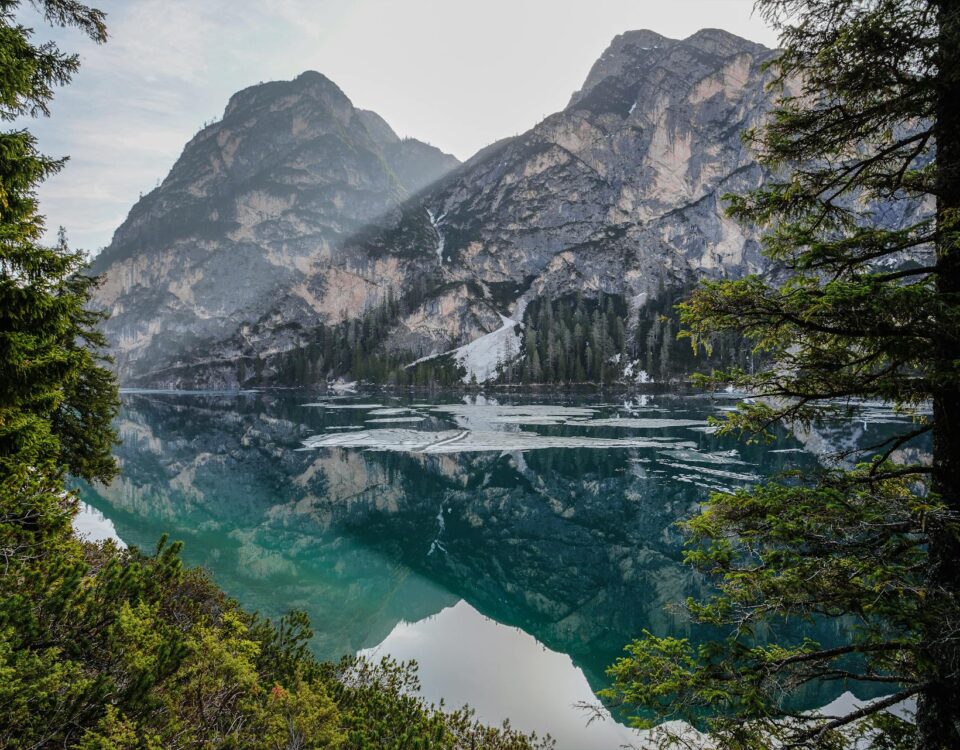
{"x":638,"y":423}
{"x":494,"y":410}
{"x":465,"y":441}
{"x":531,"y":420}
{"x":704,"y":457}
{"x":337,"y":405}
{"x":487,"y":414}
{"x":395,"y":419}
{"x":551,"y":414}
{"x":698,"y":481}
{"x":740,"y":477}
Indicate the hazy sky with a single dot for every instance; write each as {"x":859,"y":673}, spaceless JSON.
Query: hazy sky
{"x":456,"y":73}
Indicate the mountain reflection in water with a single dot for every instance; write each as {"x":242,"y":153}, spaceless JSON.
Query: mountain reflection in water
{"x":503,"y":524}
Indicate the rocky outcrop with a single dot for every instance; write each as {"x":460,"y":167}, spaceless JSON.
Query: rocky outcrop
{"x":288,"y":215}
{"x":255,"y":205}
{"x":620,"y":193}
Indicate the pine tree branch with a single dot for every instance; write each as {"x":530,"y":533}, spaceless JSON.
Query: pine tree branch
{"x":832,"y":653}
{"x":898,"y":442}
{"x":924,"y":270}
{"x":868,"y":710}
{"x":840,"y":674}
{"x":858,"y":168}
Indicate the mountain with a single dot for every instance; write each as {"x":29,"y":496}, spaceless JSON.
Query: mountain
{"x":252,"y":205}
{"x":282,"y":248}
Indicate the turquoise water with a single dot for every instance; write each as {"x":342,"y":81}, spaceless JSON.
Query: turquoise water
{"x":511,"y":544}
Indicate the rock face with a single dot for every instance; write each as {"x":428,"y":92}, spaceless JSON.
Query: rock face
{"x":254,"y":204}
{"x":289,"y":215}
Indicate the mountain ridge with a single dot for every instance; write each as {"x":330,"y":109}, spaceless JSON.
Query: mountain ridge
{"x":617,"y":194}
{"x":253,"y":199}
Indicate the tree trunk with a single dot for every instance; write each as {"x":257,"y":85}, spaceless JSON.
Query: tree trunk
{"x":938,"y":715}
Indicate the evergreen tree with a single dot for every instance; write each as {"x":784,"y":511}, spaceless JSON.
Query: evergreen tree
{"x":56,"y":399}
{"x":865,"y":312}
{"x":666,"y":339}
{"x":536,"y":373}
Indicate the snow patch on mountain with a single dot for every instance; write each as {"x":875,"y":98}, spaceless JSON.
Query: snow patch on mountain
{"x":482,"y":358}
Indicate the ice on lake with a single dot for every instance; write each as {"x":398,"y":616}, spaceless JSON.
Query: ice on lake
{"x":464,"y":441}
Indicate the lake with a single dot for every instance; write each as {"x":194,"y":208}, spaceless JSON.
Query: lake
{"x":511,"y":544}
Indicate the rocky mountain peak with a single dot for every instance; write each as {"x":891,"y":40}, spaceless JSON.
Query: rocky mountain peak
{"x":636,"y":57}
{"x":722,"y":43}
{"x":253,"y":203}
{"x":310,"y":84}
{"x":377,"y":127}
{"x":621,"y":58}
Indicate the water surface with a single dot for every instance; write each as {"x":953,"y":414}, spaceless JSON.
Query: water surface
{"x":511,"y":544}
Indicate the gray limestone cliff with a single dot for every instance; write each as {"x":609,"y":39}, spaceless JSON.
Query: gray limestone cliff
{"x":298,"y":211}
{"x":250,"y":208}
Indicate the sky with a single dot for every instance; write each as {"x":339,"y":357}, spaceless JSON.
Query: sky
{"x":459,"y":74}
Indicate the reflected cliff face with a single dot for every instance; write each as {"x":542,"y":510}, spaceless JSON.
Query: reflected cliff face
{"x":556,"y":518}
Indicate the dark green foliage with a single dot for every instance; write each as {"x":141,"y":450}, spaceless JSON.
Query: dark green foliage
{"x":354,"y":348}
{"x":578,"y":339}
{"x":435,"y":372}
{"x":56,"y":400}
{"x":665,"y":355}
{"x":572,"y":339}
{"x":851,"y":548}
{"x":868,"y":87}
